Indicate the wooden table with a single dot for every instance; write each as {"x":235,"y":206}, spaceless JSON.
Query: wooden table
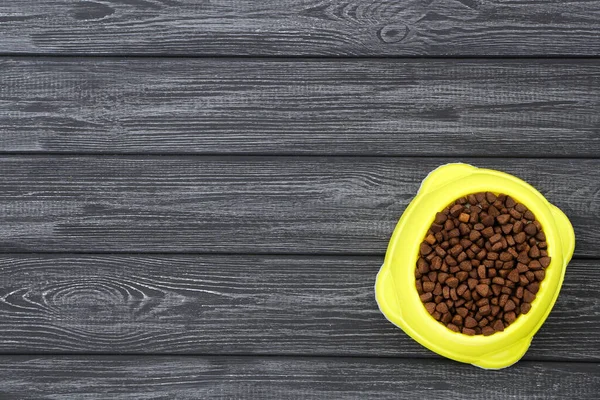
{"x":196,"y":196}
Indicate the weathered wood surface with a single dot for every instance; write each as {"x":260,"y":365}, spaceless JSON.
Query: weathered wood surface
{"x":202,"y":204}
{"x":301,"y":27}
{"x":282,"y":378}
{"x":277,"y":305}
{"x":363,"y":107}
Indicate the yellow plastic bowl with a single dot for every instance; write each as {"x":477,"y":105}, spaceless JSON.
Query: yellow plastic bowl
{"x":395,"y":289}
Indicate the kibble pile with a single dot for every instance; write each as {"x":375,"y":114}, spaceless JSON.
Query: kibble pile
{"x":481,"y":263}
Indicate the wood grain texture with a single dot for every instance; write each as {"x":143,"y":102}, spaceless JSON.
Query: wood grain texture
{"x":287,"y":378}
{"x":301,"y":27}
{"x":276,"y":305}
{"x":305,"y":205}
{"x":361,"y":107}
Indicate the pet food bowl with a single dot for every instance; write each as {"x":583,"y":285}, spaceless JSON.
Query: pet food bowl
{"x":395,"y":289}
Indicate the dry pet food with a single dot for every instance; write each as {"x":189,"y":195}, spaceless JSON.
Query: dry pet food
{"x":481,"y":263}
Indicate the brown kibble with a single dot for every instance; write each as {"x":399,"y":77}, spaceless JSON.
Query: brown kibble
{"x":487,"y":331}
{"x":456,"y":210}
{"x":437,"y":315}
{"x":452,"y":282}
{"x":425,"y":248}
{"x":530,"y":229}
{"x":520,"y":208}
{"x":462,"y":276}
{"x":493,"y":211}
{"x":481,"y":272}
{"x":436,"y":263}
{"x":446,"y":318}
{"x":436,"y":228}
{"x":464,"y":217}
{"x":515,"y":214}
{"x":472,"y":283}
{"x":456,"y":250}
{"x":450,"y":261}
{"x":519,"y":292}
{"x":514,"y":276}
{"x":481,"y":255}
{"x":510,"y":305}
{"x":453,"y":294}
{"x":440,"y":251}
{"x":525,"y":307}
{"x":503,"y":219}
{"x":488,"y":232}
{"x":495,"y":238}
{"x":428,"y":286}
{"x":457,"y":320}
{"x":545,"y":261}
{"x":422,"y":266}
{"x":485,"y":310}
{"x":483,"y":290}
{"x":530,"y":276}
{"x":534,"y":252}
{"x":523,"y":281}
{"x":453,"y":327}
{"x":528,"y":215}
{"x":541,"y":236}
{"x":510,"y":203}
{"x":510,"y":317}
{"x":523,"y":258}
{"x":442,"y":308}
{"x":437,"y":290}
{"x":540,"y":275}
{"x":446,"y":292}
{"x":442,"y":276}
{"x":498,"y":280}
{"x":496,"y":247}
{"x":419,"y":285}
{"x":503,"y":300}
{"x":533,"y":287}
{"x":474,"y":235}
{"x":467,"y":331}
{"x":466,"y":266}
{"x":522,"y":268}
{"x":518,"y":227}
{"x":430,"y":307}
{"x":462,"y":311}
{"x":470,"y":322}
{"x":487,"y":221}
{"x":426,"y":297}
{"x":498,"y":326}
{"x":528,"y":297}
{"x":520,"y":237}
{"x":535,"y":265}
{"x":440,"y":218}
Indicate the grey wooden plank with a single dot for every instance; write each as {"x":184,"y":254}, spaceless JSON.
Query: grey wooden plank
{"x":275,"y":305}
{"x":359,"y":107}
{"x":59,"y":377}
{"x":301,"y":27}
{"x":201,"y":204}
